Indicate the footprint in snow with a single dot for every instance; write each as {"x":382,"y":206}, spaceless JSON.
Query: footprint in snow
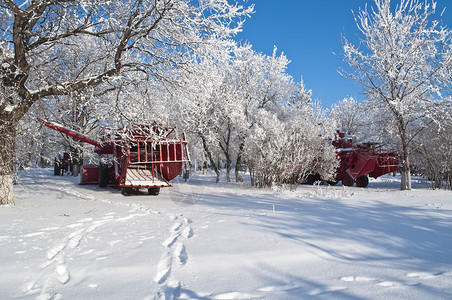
{"x":326,"y":289}
{"x":47,"y":296}
{"x":55,"y":250}
{"x":176,"y":226}
{"x":389,"y":283}
{"x":357,"y":278}
{"x":180,"y":253}
{"x":62,"y":273}
{"x":395,"y":284}
{"x":163,"y":268}
{"x":276,"y":288}
{"x":172,"y":290}
{"x":171,"y":240}
{"x":175,"y":248}
{"x":75,"y":238}
{"x":188,"y":232}
{"x":422,"y":275}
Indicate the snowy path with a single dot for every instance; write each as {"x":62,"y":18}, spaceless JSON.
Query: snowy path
{"x":206,"y":241}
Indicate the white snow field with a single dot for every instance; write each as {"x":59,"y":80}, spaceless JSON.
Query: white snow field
{"x":200,"y":240}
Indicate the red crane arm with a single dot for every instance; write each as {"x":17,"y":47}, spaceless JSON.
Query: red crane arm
{"x":77,"y":135}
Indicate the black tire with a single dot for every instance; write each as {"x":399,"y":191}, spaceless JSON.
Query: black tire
{"x":103,"y":175}
{"x":311,"y":179}
{"x":362,"y":181}
{"x":127,"y":191}
{"x":332,"y":182}
{"x":347,"y":180}
{"x":56,"y":169}
{"x":154,"y":191}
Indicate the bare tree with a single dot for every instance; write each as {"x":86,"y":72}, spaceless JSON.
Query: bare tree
{"x":402,"y":64}
{"x":104,"y":39}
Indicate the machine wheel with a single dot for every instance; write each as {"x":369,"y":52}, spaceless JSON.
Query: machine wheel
{"x":127,"y":191}
{"x":311,"y":179}
{"x":347,"y":180}
{"x":362,"y":181}
{"x":56,"y":169}
{"x":103,"y":175}
{"x":154,"y":191}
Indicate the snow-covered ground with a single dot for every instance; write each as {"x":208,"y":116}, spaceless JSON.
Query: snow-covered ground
{"x":199,"y":240}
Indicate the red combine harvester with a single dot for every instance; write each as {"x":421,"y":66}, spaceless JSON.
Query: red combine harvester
{"x":359,"y":161}
{"x":139,"y":156}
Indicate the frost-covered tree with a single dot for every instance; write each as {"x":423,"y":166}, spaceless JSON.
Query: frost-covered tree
{"x":348,"y":115}
{"x":308,"y":128}
{"x":34,"y":146}
{"x":80,"y":111}
{"x":261,"y":82}
{"x":432,"y":155}
{"x":41,"y":42}
{"x":197,"y":99}
{"x":226,"y":128}
{"x":220,"y":93}
{"x":288,"y":145}
{"x":403,"y":63}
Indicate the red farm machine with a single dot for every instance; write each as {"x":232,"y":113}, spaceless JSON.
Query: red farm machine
{"x":134,"y":157}
{"x":359,"y":161}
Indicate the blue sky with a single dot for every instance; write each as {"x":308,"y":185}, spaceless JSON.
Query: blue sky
{"x":309,"y":33}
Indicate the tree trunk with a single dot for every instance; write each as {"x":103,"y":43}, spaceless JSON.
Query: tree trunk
{"x":7,"y":147}
{"x":77,"y":159}
{"x":405,"y":183}
{"x":227,"y":153}
{"x":252,"y":177}
{"x":402,"y":178}
{"x":228,"y":169}
{"x":408,"y":172}
{"x":238,"y":162}
{"x":209,"y":156}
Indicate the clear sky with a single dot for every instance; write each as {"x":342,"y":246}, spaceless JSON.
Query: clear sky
{"x":309,"y":32}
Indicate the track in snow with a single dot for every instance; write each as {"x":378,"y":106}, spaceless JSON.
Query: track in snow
{"x":174,"y":254}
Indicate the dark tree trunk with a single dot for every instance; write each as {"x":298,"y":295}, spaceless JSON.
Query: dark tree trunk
{"x":227,"y":153}
{"x":77,"y":158}
{"x":238,"y":162}
{"x":210,"y":157}
{"x":7,"y":149}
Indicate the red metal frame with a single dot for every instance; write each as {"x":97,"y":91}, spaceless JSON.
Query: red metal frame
{"x":154,"y":170}
{"x":362,"y":160}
